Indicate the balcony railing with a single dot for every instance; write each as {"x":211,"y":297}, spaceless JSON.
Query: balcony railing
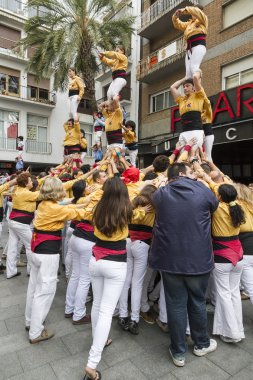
{"x":7,"y":46}
{"x":34,"y":94}
{"x":19,"y":7}
{"x":8,"y":144}
{"x":12,"y":5}
{"x":38,"y":147}
{"x":161,"y":58}
{"x":158,"y":9}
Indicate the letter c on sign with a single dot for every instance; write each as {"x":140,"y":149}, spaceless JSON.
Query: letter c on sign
{"x":228,"y":134}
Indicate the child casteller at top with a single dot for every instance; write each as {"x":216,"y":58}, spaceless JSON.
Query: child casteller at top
{"x":118,"y":62}
{"x":195,"y":31}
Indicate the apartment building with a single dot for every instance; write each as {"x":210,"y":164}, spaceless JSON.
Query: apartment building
{"x":130,"y":93}
{"x":28,"y":108}
{"x":227,"y":79}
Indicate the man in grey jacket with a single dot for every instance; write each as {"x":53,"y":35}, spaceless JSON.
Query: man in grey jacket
{"x":182,"y":250}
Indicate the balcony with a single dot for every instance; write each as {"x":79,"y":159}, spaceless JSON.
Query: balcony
{"x":7,"y":48}
{"x":12,"y":90}
{"x":157,"y":19}
{"x":38,"y":147}
{"x":162,"y":62}
{"x":14,"y":6}
{"x":19,"y":8}
{"x":8,"y":144}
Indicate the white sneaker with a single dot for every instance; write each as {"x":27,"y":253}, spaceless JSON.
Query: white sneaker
{"x":226,"y":339}
{"x":178,"y":361}
{"x":205,"y":350}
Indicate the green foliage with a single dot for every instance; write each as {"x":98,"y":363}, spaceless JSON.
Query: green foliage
{"x":71,"y":33}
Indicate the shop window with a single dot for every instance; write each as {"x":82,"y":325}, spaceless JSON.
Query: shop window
{"x":161,"y":101}
{"x":237,"y":73}
{"x":235,"y":11}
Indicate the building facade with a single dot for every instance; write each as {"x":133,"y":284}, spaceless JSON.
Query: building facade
{"x":28,"y":108}
{"x":130,"y":93}
{"x":227,"y":79}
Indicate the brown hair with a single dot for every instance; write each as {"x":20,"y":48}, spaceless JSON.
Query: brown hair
{"x":122,"y":48}
{"x":113,"y":211}
{"x":22,"y":179}
{"x":145,"y":197}
{"x":72,"y":68}
{"x":188,"y":80}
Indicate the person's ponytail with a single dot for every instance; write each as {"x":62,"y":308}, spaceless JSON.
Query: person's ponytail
{"x":228,"y":195}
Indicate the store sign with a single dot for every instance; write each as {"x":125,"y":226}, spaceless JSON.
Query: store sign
{"x":228,"y":106}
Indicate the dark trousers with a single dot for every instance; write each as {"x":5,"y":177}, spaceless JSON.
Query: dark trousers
{"x":186,"y":294}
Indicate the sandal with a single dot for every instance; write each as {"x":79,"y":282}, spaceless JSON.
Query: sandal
{"x":108,"y":343}
{"x":98,"y":376}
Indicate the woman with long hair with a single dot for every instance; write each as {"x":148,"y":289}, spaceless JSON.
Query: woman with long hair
{"x":245,"y":197}
{"x":140,"y":231}
{"x":45,"y":245}
{"x":228,"y":254}
{"x":108,"y":265}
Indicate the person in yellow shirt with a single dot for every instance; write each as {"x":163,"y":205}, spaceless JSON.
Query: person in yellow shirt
{"x":83,"y":144}
{"x":207,"y":117}
{"x":190,"y":109}
{"x":113,"y":115}
{"x":72,"y":137}
{"x":130,"y":139}
{"x":76,"y":91}
{"x":118,"y":62}
{"x":195,"y":31}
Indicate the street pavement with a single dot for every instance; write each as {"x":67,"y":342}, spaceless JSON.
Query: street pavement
{"x":140,"y":357}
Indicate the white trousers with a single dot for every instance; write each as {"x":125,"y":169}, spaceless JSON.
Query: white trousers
{"x":192,"y":64}
{"x":137,"y":258}
{"x":98,"y":137}
{"x":247,"y":275}
{"x":18,"y":231}
{"x":208,"y":145}
{"x":228,"y":308}
{"x":132,"y":155}
{"x":107,"y":278}
{"x":144,"y":296}
{"x":41,"y":291}
{"x":162,"y":305}
{"x":79,"y":283}
{"x":68,"y":252}
{"x":83,"y":155}
{"x":184,"y":137}
{"x":115,"y":87}
{"x":73,"y":104}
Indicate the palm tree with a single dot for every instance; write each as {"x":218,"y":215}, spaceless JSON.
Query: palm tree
{"x":70,"y":33}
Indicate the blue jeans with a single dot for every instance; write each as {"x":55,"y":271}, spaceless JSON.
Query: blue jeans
{"x":186,"y":294}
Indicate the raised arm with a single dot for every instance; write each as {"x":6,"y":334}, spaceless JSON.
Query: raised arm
{"x":198,"y":13}
{"x":178,"y":24}
{"x":174,"y":88}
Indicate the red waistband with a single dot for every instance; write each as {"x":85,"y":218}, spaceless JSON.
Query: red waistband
{"x":229,"y":249}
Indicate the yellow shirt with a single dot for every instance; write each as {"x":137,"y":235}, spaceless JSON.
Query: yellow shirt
{"x":117,"y":61}
{"x":192,"y":102}
{"x":207,"y":113}
{"x":222,"y":223}
{"x":3,"y":188}
{"x":83,"y":143}
{"x":248,"y":212}
{"x":140,"y":217}
{"x":129,"y":137}
{"x":50,"y":216}
{"x":72,"y":136}
{"x":192,"y":27}
{"x":113,"y":120}
{"x":24,"y":199}
{"x":76,"y":83}
{"x":134,"y":188}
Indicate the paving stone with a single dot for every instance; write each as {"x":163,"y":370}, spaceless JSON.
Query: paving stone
{"x":41,"y":373}
{"x":124,"y":347}
{"x":201,"y":368}
{"x":154,"y":363}
{"x":73,"y":366}
{"x":230,"y":357}
{"x":79,"y":341}
{"x":5,"y":290}
{"x":124,"y":370}
{"x":61,"y":327}
{"x":39,"y":354}
{"x":150,"y":336}
{"x":8,"y":301}
{"x":10,"y":366}
{"x":3,"y":329}
{"x":247,"y":343}
{"x":9,"y":312}
{"x":15,"y":324}
{"x":244,"y":374}
{"x":168,"y":376}
{"x":14,"y":342}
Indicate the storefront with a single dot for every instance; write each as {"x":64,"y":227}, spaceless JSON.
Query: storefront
{"x":233,"y":131}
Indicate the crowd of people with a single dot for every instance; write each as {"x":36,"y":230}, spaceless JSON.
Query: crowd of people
{"x":177,"y":234}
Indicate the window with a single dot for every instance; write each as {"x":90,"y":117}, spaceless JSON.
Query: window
{"x":9,"y":84}
{"x":8,"y":129}
{"x":235,"y":11}
{"x":161,"y":101}
{"x":237,"y":73}
{"x":88,"y":135}
{"x":37,"y":128}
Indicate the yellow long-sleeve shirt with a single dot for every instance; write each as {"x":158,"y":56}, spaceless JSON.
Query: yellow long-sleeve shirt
{"x":113,"y":120}
{"x":221,"y":222}
{"x":248,"y":212}
{"x":129,"y":137}
{"x":72,"y":136}
{"x":117,"y":61}
{"x":50,"y":216}
{"x":199,"y":25}
{"x":207,"y":113}
{"x":24,"y":199}
{"x":143,"y":218}
{"x":3,"y":188}
{"x":191,"y":102}
{"x":77,"y":84}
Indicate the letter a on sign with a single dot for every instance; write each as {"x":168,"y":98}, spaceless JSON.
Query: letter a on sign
{"x":227,"y":108}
